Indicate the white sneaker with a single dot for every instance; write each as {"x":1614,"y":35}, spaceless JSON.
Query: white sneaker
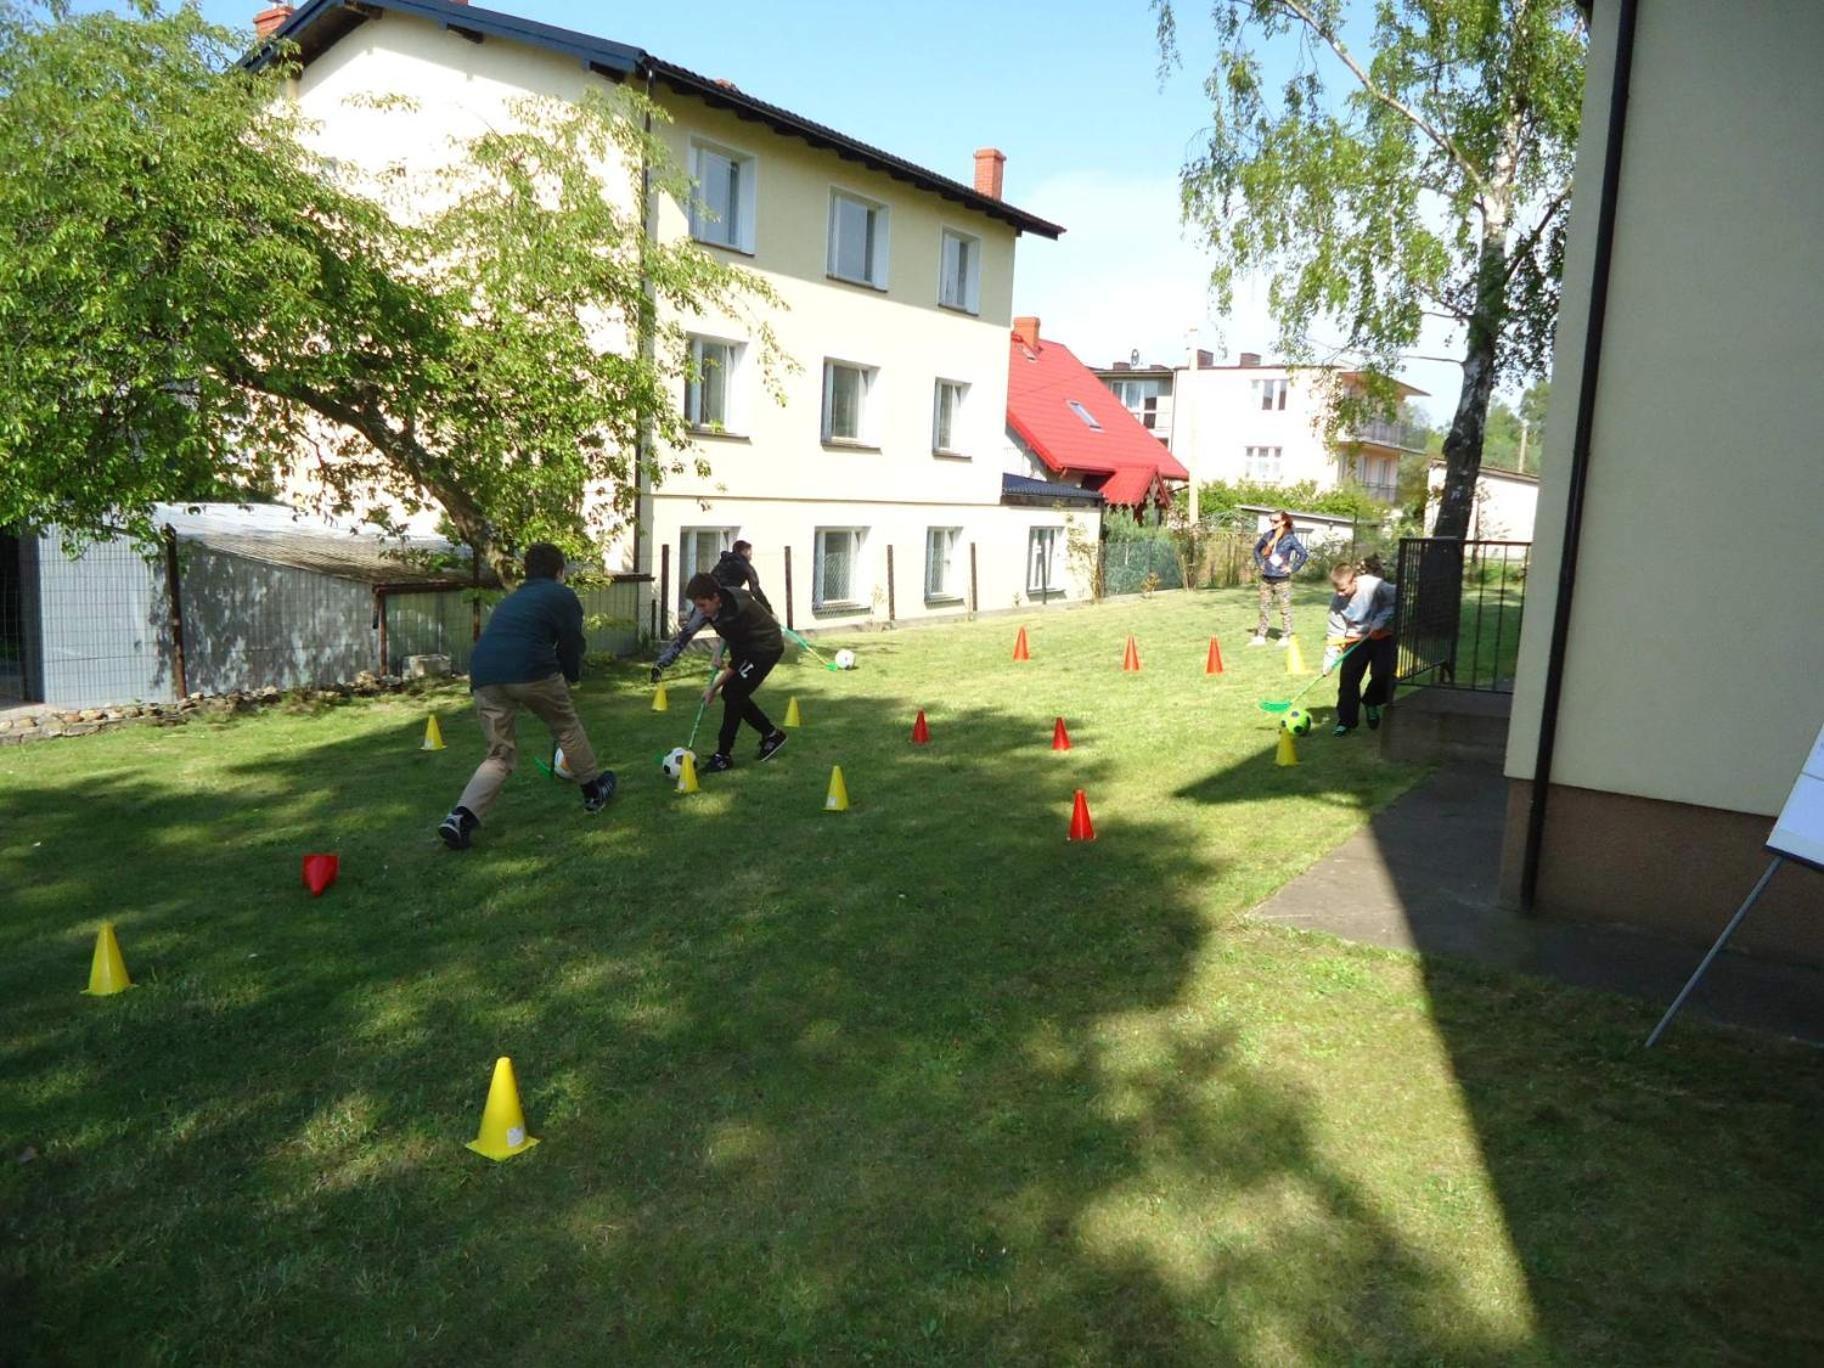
{"x":1283,"y":642}
{"x":1257,"y":640}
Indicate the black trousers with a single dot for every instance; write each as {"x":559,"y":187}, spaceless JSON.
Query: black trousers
{"x":738,"y":704}
{"x":1377,"y":655}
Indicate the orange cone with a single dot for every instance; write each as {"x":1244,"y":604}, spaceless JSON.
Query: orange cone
{"x":1081,"y":828}
{"x":1214,"y":664}
{"x":1130,"y":663}
{"x":1060,"y":739}
{"x":921,"y":734}
{"x":320,"y":872}
{"x":1020,"y":652}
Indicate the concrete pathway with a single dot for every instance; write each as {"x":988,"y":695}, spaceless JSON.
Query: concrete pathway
{"x":1421,"y":876}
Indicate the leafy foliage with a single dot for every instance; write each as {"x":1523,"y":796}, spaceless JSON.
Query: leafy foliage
{"x":193,"y":297}
{"x":1436,"y":184}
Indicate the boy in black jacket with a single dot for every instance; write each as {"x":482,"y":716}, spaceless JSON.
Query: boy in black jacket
{"x":754,"y":644}
{"x":529,"y":654}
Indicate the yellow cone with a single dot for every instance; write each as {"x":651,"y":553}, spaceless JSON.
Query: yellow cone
{"x":660,"y":703}
{"x":503,"y":1124}
{"x":838,"y":799}
{"x":792,"y":716}
{"x":1295,"y":659}
{"x":1287,"y":753}
{"x":433,"y":734}
{"x":107,"y":971}
{"x":687,"y":775}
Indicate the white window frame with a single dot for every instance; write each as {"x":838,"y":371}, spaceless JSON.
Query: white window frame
{"x":875,"y":276}
{"x":1089,"y":419}
{"x":970,"y":301}
{"x":1051,"y":536}
{"x":864,"y":427}
{"x":820,"y":601}
{"x":958,"y":424}
{"x":716,"y":232}
{"x":1264,"y":464}
{"x":733,"y":414}
{"x":1269,"y":395}
{"x":939,"y":589}
{"x":687,"y":556}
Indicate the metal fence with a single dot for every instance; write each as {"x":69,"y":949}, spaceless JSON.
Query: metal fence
{"x":1460,"y":607}
{"x":448,"y":621}
{"x":1141,"y":566}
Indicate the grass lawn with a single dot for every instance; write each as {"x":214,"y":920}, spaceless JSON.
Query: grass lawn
{"x":916,"y":1083}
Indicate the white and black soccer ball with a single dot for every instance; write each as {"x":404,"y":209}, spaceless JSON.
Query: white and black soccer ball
{"x":674,"y":762}
{"x":560,"y":766}
{"x":845,"y":660}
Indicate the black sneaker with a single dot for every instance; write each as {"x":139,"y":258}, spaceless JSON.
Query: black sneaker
{"x":770,"y":743}
{"x":598,"y":791}
{"x":1341,"y":730}
{"x":715,"y":764}
{"x":458,"y":829}
{"x":1373,"y":714}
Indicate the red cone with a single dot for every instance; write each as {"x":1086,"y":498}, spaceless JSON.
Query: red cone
{"x":320,"y":872}
{"x":1130,"y":663}
{"x":1019,"y":647}
{"x":1081,"y":828}
{"x":1060,"y":739}
{"x":921,"y":734}
{"x":1214,"y":664}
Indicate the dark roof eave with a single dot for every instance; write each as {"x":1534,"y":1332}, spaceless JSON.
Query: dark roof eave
{"x":318,"y":25}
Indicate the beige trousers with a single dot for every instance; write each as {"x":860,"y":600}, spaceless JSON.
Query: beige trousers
{"x":498,"y":705}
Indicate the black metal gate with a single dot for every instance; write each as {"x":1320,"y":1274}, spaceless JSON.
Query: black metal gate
{"x":1460,"y":606}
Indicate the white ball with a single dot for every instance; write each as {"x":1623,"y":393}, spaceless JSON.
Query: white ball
{"x":560,"y":766}
{"x":845,"y":660}
{"x":674,"y":762}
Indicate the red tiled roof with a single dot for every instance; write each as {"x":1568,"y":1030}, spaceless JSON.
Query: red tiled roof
{"x":1041,"y":386}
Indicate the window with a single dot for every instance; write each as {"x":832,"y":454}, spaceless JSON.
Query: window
{"x":940,"y":557}
{"x":709,"y":390}
{"x":1269,"y":395}
{"x":845,"y":402}
{"x":699,"y":548}
{"x":1263,"y":464}
{"x":1042,"y":561}
{"x":947,"y":417}
{"x":1084,"y":414}
{"x":959,"y":284}
{"x":722,"y":208}
{"x":858,"y":240}
{"x":1140,"y":398}
{"x":836,"y":567}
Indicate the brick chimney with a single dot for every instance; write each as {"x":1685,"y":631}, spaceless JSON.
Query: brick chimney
{"x":1249,"y":358}
{"x":990,"y":164}
{"x":270,"y":20}
{"x":1205,"y":359}
{"x":1027,"y":330}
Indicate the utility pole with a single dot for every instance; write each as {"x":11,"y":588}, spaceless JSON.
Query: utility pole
{"x":1525,"y":428}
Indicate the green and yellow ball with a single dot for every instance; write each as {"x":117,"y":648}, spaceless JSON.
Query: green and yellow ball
{"x":1297,"y":721}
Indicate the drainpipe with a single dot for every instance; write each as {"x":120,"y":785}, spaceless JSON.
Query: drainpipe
{"x":1580,"y":452}
{"x":648,"y":345}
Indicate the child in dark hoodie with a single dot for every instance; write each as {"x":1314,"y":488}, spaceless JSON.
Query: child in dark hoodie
{"x":754,"y":644}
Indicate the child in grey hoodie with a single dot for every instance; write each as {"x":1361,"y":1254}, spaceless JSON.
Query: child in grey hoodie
{"x":1360,"y":612}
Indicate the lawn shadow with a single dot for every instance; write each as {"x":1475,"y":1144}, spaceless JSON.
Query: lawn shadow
{"x":913,"y":1081}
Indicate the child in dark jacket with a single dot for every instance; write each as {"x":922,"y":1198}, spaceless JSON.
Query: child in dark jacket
{"x":529,"y":655}
{"x":1361,"y":635}
{"x":754,"y":644}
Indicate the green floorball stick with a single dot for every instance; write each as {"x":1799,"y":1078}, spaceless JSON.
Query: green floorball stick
{"x":815,"y":654}
{"x":702,"y":703}
{"x":1274,"y":705}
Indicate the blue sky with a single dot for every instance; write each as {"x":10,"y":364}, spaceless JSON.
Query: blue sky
{"x":1068,"y":89}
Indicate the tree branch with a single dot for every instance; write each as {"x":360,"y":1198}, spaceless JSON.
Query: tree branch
{"x":1443,"y":140}
{"x":1524,"y":247}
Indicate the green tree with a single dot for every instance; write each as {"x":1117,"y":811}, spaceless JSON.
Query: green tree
{"x":1436,"y":184}
{"x":192,"y":298}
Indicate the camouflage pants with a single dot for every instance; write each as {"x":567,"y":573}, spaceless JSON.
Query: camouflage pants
{"x":1269,"y":590}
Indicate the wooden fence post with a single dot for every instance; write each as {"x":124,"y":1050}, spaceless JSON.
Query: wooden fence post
{"x":180,"y":675}
{"x":664,"y":588}
{"x":788,"y":587}
{"x":975,"y":597}
{"x":891,"y":609}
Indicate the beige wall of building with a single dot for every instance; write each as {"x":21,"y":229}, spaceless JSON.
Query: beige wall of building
{"x":1693,"y":660}
{"x":1506,"y":506}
